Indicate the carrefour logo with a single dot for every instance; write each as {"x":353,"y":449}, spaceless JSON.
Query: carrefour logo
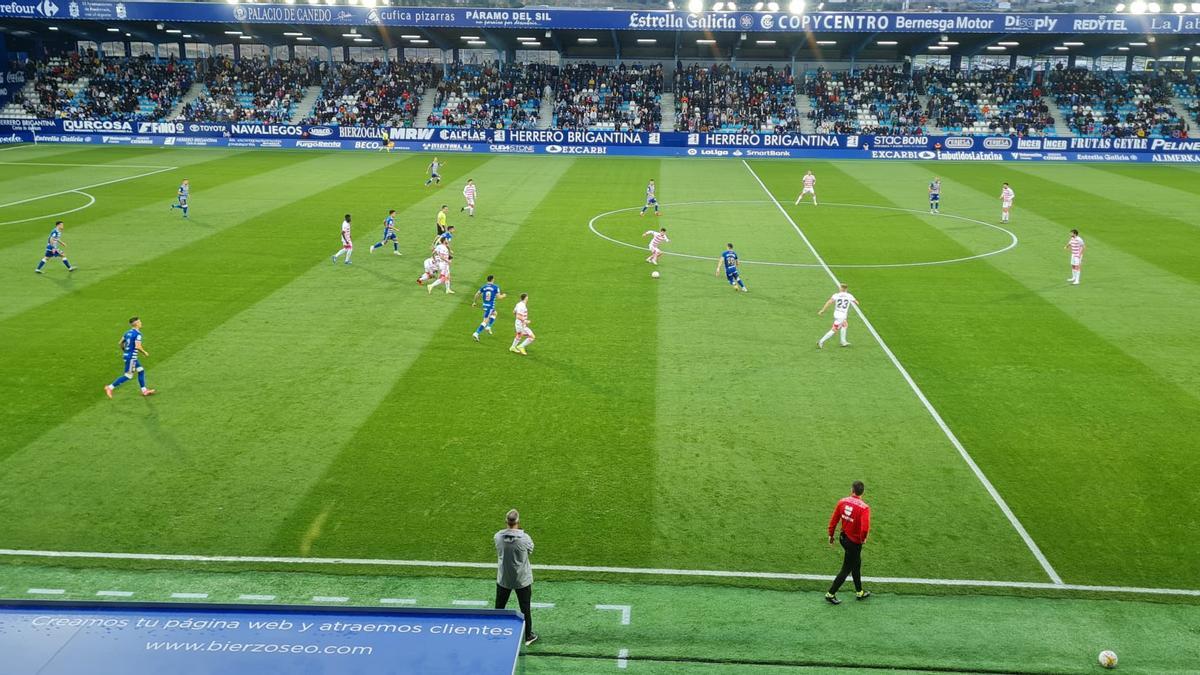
{"x":47,"y":8}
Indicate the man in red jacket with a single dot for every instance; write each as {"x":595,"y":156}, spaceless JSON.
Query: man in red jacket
{"x":855,"y":517}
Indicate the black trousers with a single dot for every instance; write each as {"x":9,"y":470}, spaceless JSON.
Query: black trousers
{"x":523,"y":597}
{"x":851,"y":565}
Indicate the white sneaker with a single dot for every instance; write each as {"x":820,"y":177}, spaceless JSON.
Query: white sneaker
{"x":475,"y":336}
{"x":396,"y":253}
{"x":1075,"y":283}
{"x":489,"y":330}
{"x":845,"y":344}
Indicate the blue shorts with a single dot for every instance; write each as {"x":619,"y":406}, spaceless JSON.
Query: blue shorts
{"x":131,"y":364}
{"x":389,"y":236}
{"x":488,"y":311}
{"x":434,"y":175}
{"x":182,"y":201}
{"x":731,"y":275}
{"x":934,"y":198}
{"x":651,"y":201}
{"x":53,"y":253}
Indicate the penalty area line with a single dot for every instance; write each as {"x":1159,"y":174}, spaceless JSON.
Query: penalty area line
{"x":87,"y":187}
{"x":962,"y":451}
{"x":648,"y":571}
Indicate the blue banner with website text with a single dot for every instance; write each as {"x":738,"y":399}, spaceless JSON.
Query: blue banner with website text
{"x":103,"y":638}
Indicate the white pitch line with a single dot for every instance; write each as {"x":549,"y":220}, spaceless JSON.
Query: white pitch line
{"x":987,"y":484}
{"x":623,"y":659}
{"x":255,"y":596}
{"x":542,"y":605}
{"x":190,"y":596}
{"x":91,"y":200}
{"x":397,"y":601}
{"x":115,"y":594}
{"x":18,"y":146}
{"x":625,"y":611}
{"x":87,"y":187}
{"x":1013,"y":241}
{"x":469,"y":603}
{"x":92,"y":166}
{"x":330,"y":598}
{"x":599,"y":569}
{"x":46,"y":591}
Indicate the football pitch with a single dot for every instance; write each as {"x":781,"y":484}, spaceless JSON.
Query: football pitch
{"x":1028,"y":446}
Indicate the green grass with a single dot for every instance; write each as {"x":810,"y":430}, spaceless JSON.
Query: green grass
{"x":310,"y":409}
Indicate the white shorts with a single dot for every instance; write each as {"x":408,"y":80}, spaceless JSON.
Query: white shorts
{"x":1076,"y":260}
{"x":470,"y":203}
{"x":654,"y":249}
{"x":523,"y":330}
{"x":444,"y":269}
{"x":430,"y":266}
{"x":808,"y":191}
{"x":348,"y":245}
{"x":1006,"y":204}
{"x":839,"y":322}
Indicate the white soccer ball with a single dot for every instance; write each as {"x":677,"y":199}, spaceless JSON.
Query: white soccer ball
{"x":1108,"y":659}
{"x":654,"y":274}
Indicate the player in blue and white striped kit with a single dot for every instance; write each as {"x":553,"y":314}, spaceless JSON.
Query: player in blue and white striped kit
{"x":935,"y":195}
{"x":651,"y":199}
{"x":389,"y":234}
{"x":181,"y":197}
{"x":54,"y":246}
{"x":729,"y":261}
{"x":490,"y":293}
{"x":131,"y":347}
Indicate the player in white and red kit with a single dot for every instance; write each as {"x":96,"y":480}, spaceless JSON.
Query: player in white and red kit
{"x":431,"y":271}
{"x":469,"y":195}
{"x":347,"y":243}
{"x":657,"y":239}
{"x":525,"y":334}
{"x":1077,"y":247}
{"x":841,"y":302}
{"x":1006,"y":197}
{"x":810,"y":188}
{"x":441,"y":257}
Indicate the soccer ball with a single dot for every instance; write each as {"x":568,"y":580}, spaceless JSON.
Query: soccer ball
{"x":1108,"y":659}
{"x":654,"y":274}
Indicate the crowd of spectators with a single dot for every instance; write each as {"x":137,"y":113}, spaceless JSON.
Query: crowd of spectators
{"x":1116,"y":105}
{"x":80,"y":86}
{"x":252,"y":90}
{"x":721,"y":98}
{"x":491,"y":96}
{"x":625,"y":97}
{"x":997,"y":101}
{"x":374,"y":93}
{"x":873,"y":100}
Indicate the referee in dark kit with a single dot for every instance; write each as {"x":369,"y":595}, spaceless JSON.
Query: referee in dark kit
{"x":855,"y":516}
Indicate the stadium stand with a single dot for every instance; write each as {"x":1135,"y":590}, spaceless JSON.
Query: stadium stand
{"x":1120,"y":105}
{"x":251,"y":90}
{"x":373,"y":93}
{"x":998,"y":101}
{"x":81,"y":86}
{"x":491,"y":96}
{"x":878,"y":99}
{"x":720,"y":98}
{"x":590,"y":96}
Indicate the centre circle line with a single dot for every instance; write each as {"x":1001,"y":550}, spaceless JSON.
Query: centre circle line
{"x":92,"y":200}
{"x":1013,"y":241}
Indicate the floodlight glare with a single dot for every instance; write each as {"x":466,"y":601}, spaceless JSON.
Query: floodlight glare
{"x":796,"y":6}
{"x":695,"y":6}
{"x":718,"y":6}
{"x":1138,"y":6}
{"x":758,"y":6}
{"x":1179,"y":8}
{"x":1196,"y":7}
{"x":1153,"y":7}
{"x":773,"y":6}
{"x":1120,"y":7}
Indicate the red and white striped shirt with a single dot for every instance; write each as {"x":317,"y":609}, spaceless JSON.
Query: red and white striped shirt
{"x":1076,"y":246}
{"x":809,"y":181}
{"x":1007,"y":194}
{"x":345,"y":232}
{"x":521,"y":312}
{"x":469,"y":192}
{"x":441,"y":253}
{"x":659,"y":239}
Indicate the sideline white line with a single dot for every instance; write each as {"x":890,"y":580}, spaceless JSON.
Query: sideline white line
{"x":469,"y":603}
{"x":93,"y":166}
{"x":87,"y":187}
{"x":987,"y":484}
{"x":115,"y":594}
{"x":91,"y":200}
{"x":190,"y":596}
{"x":599,"y":569}
{"x":542,"y":605}
{"x":330,"y":598}
{"x":255,"y":596}
{"x":1012,"y":237}
{"x":18,"y":146}
{"x":46,"y":591}
{"x":398,"y":601}
{"x":622,"y":659}
{"x":625,"y":611}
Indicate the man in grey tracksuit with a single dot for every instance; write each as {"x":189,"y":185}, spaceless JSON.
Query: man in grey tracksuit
{"x":513,"y":572}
